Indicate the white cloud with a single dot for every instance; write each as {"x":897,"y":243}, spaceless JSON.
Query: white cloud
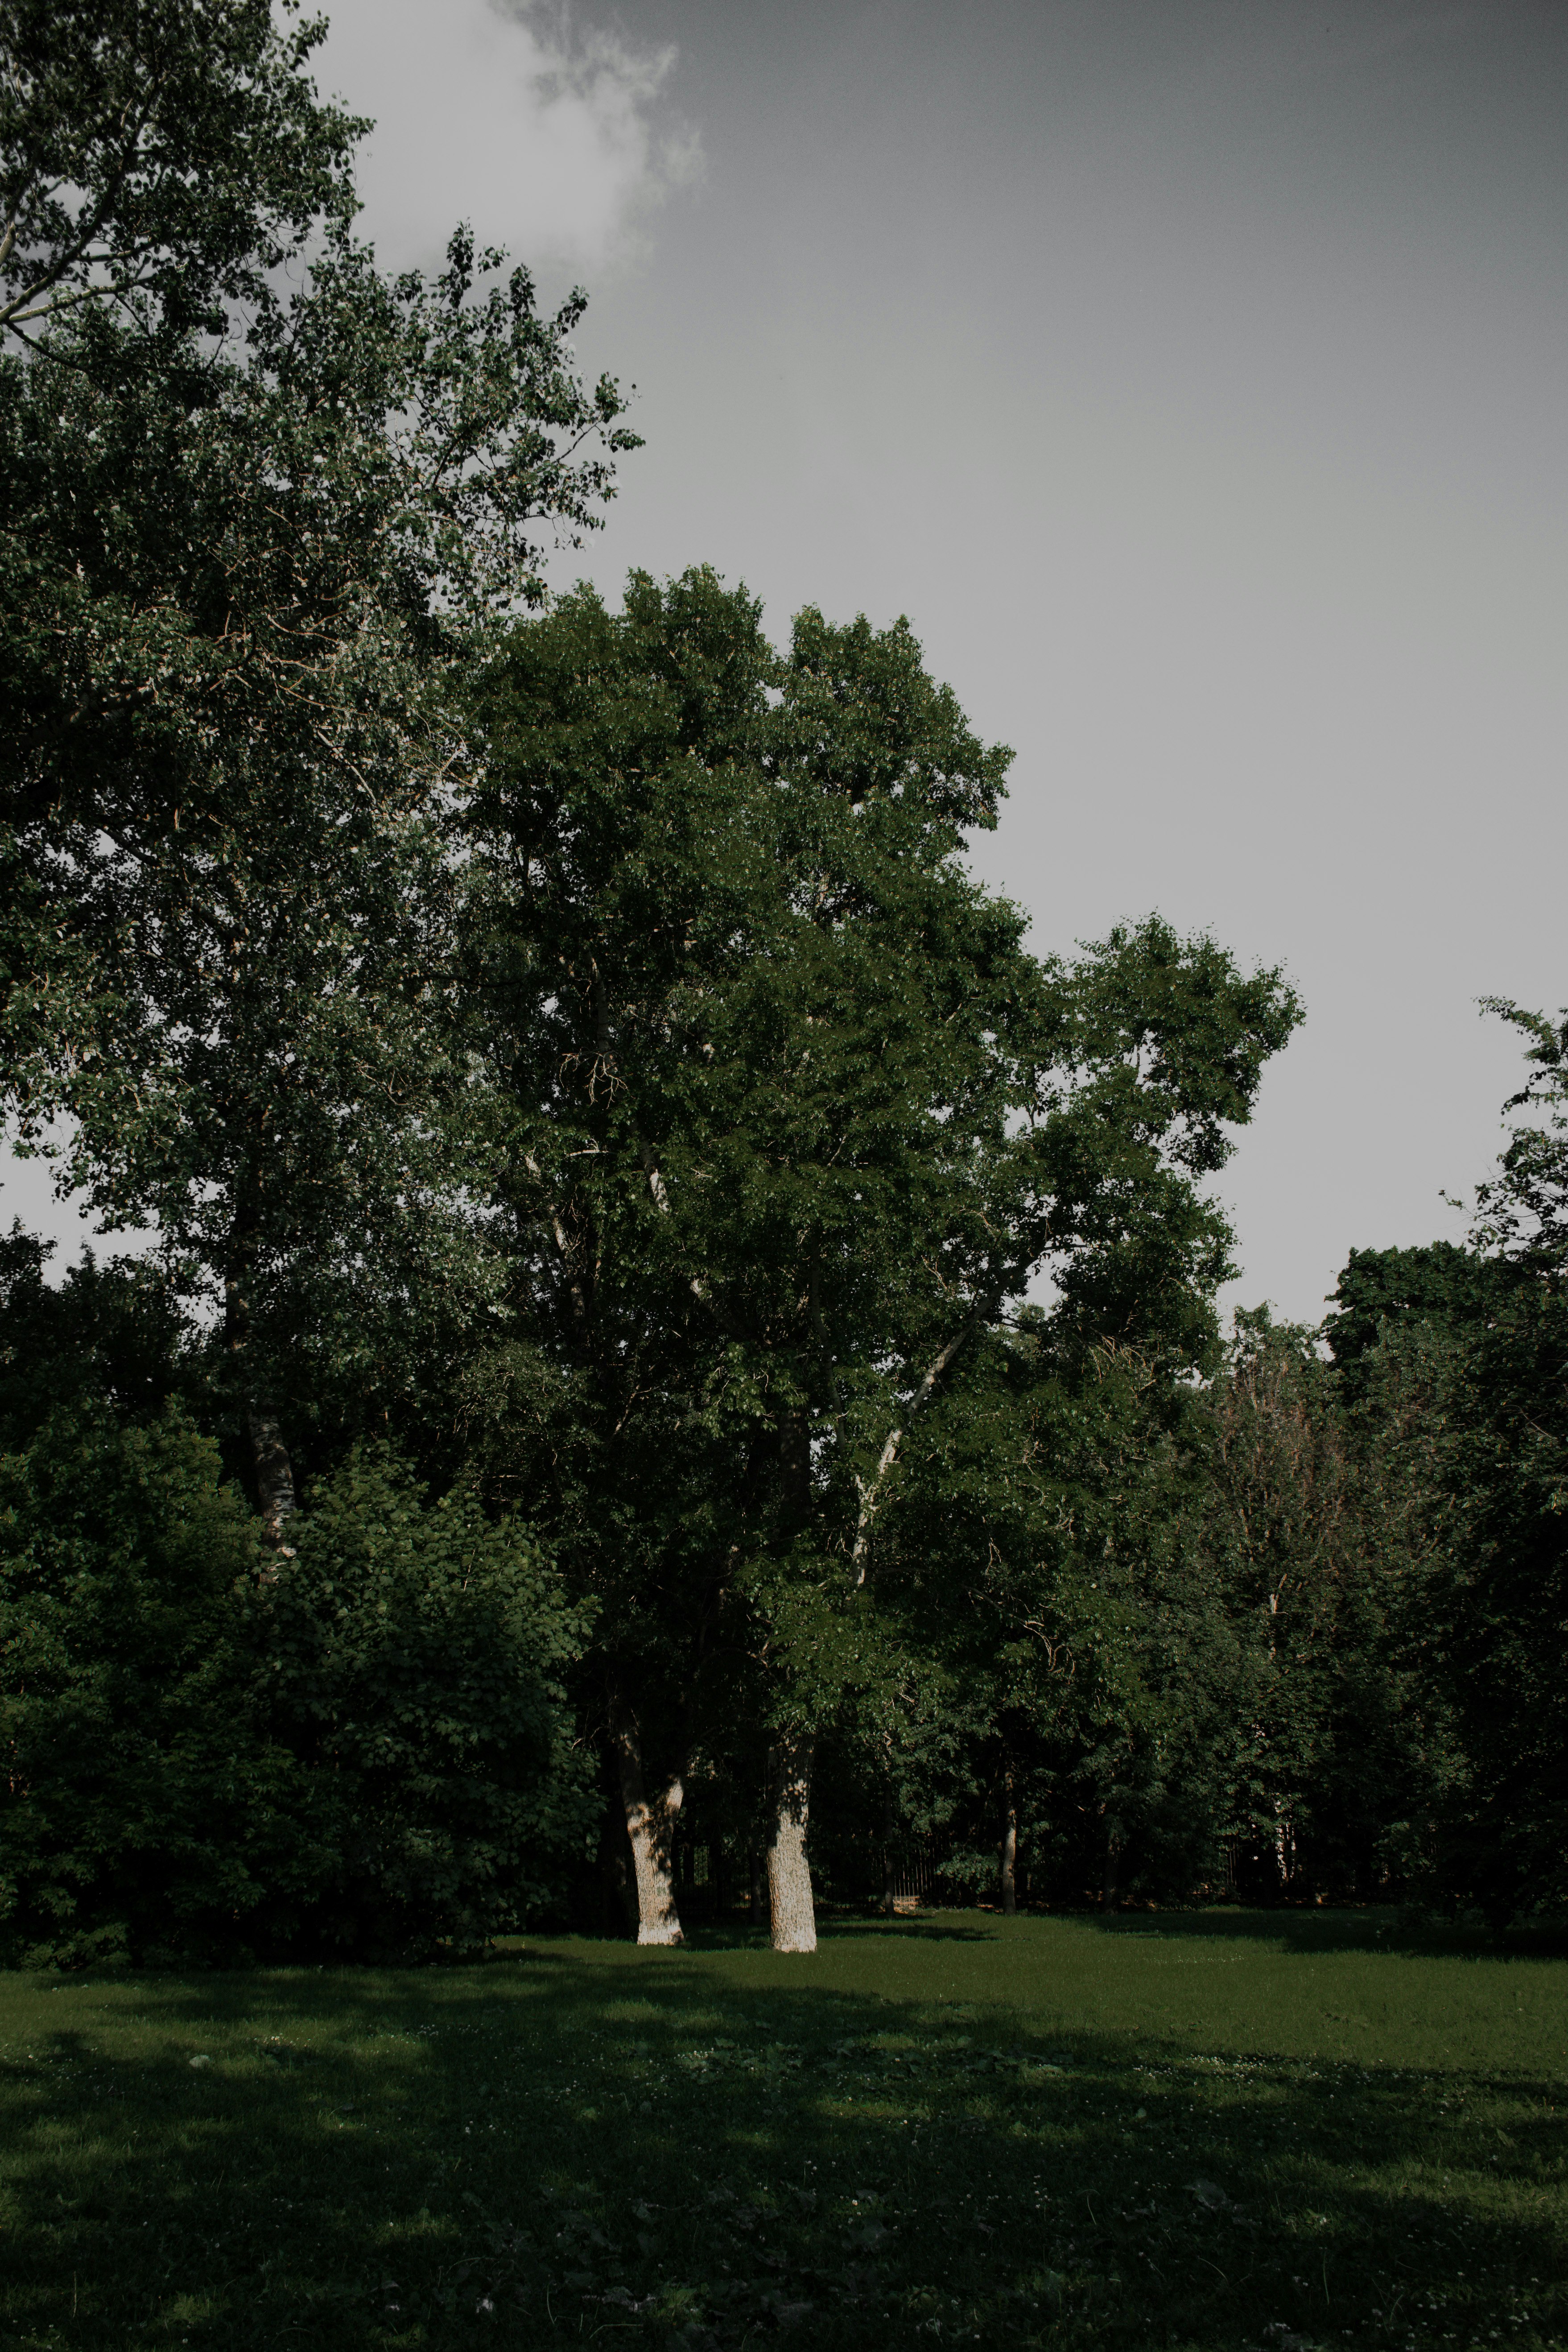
{"x":553,"y":138}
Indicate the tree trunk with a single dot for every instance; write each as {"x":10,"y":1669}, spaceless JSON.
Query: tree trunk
{"x":269,"y":1454}
{"x":788,"y":1872}
{"x":1010,"y":1853}
{"x":651,"y":1826}
{"x":758,"y":1889}
{"x":1284,"y":1844}
{"x":274,"y":1473}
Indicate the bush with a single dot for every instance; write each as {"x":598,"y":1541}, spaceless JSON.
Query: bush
{"x":371,"y":1753}
{"x":148,"y":1810}
{"x":415,"y":1654}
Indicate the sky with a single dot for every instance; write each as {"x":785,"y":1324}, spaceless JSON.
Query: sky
{"x":1191,"y":373}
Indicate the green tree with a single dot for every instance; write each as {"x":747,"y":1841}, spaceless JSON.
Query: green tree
{"x":369,"y":1751}
{"x":1523,"y":1210}
{"x":108,"y":1334}
{"x":165,"y":153}
{"x":415,"y":1661}
{"x":794,"y":1119}
{"x":149,"y":1811}
{"x":248,"y":537}
{"x":1464,"y":1417}
{"x":1337,"y":1753}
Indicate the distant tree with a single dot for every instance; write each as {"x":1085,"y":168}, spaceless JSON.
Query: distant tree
{"x":1523,"y":1210}
{"x":1039,"y":1547}
{"x":1338,"y":1752}
{"x":1443,"y":1285}
{"x":1462,"y":1381}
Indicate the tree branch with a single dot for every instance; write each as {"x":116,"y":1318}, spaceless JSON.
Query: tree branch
{"x":870,"y":1495}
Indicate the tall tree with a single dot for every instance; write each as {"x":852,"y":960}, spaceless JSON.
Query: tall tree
{"x":252,"y":534}
{"x":796,"y":1117}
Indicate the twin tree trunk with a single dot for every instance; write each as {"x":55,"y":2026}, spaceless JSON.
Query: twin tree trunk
{"x":650,"y":1830}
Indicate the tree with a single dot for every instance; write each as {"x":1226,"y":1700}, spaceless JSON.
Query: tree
{"x":1441,"y":1285}
{"x":794,"y":1118}
{"x":107,"y":1335}
{"x":1458,"y":1362}
{"x":1523,"y":1210}
{"x":149,"y":1811}
{"x":416,"y":1654}
{"x":165,"y":154}
{"x":369,"y":1753}
{"x":249,"y":536}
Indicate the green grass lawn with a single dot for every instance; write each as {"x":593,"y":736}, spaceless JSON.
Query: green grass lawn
{"x":1218,"y":2130}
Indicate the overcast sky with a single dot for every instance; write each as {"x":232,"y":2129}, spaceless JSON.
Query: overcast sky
{"x":1191,"y":372}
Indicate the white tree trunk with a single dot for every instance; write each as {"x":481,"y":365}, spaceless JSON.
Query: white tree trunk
{"x":274,"y":1480}
{"x":788,"y":1872}
{"x":1010,"y":1854}
{"x":651,"y":1827}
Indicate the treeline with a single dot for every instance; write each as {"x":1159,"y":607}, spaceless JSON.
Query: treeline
{"x":670,"y":1327}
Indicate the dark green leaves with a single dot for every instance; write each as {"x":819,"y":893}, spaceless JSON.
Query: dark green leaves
{"x":160,"y":156}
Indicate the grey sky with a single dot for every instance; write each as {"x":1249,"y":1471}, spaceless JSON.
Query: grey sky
{"x":1191,"y":372}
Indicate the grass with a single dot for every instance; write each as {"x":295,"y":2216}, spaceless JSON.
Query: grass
{"x":1218,"y":2130}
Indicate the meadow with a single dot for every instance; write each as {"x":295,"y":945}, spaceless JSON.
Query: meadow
{"x":1220,"y":2129}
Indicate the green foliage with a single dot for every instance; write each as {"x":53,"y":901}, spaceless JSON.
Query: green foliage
{"x":1465,"y":1428}
{"x":370,"y":1751}
{"x":752,"y":1028}
{"x":229,"y":965}
{"x":1442,"y":1285}
{"x":1338,"y":1743}
{"x":109,"y":1335}
{"x":1041,"y":1545}
{"x":1523,"y":1211}
{"x":169,"y":153}
{"x":149,"y":1812}
{"x":413,"y":1660}
{"x":1456,"y":1362}
{"x":791,"y":1120}
{"x":253,"y":519}
{"x":1161,"y":1043}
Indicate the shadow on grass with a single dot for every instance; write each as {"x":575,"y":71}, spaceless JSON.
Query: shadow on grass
{"x":738,"y":1936}
{"x":1313,"y":1930}
{"x":579,"y":2140}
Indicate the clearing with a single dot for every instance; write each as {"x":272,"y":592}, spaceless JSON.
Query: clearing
{"x":1217,"y":2129}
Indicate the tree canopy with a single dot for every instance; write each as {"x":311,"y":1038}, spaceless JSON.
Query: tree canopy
{"x":675,"y":1327}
